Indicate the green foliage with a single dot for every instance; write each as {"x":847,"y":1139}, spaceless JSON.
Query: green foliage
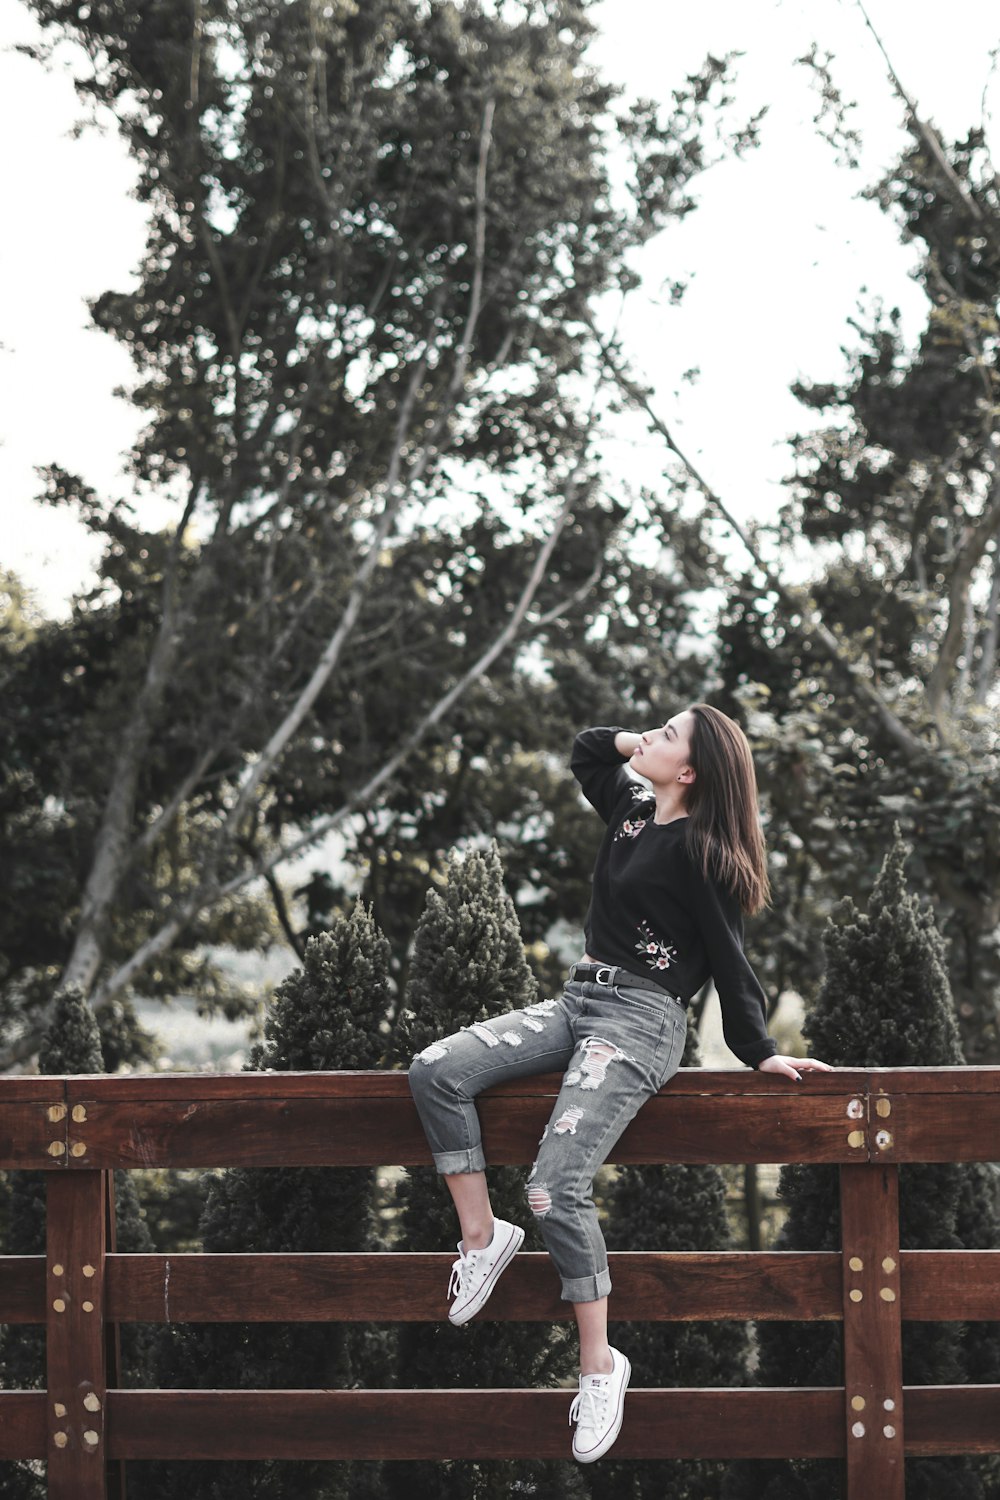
{"x":71,"y":1045}
{"x":468,"y":964}
{"x":885,"y":1002}
{"x":375,"y":234}
{"x":326,"y":1016}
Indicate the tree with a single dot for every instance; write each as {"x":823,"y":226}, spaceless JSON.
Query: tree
{"x":885,"y":1002}
{"x":328,"y":1014}
{"x":468,"y":964}
{"x":367,"y":225}
{"x":874,"y":682}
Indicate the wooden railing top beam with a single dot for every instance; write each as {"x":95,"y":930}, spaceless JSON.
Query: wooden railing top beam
{"x":368,"y":1119}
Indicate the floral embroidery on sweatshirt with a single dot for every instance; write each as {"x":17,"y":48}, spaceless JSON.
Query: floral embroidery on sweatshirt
{"x":630,"y":829}
{"x":657,"y":955}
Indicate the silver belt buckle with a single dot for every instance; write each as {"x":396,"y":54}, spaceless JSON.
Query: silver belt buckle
{"x":603,"y":975}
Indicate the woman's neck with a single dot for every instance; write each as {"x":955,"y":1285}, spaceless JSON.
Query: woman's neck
{"x":669,"y":805}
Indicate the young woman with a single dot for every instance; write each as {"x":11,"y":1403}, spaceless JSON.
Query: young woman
{"x":681,"y":861}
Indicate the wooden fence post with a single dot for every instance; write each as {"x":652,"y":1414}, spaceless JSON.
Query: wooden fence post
{"x":873,"y":1383}
{"x":76,"y":1229}
{"x":112,"y":1336}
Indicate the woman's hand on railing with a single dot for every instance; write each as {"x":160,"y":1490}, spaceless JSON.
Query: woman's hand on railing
{"x":792,"y":1067}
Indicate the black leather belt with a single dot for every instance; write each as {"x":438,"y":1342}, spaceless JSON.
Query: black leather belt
{"x":612,"y":974}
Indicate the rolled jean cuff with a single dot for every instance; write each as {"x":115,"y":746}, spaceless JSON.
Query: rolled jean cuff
{"x":586,"y":1288}
{"x":452,"y":1162}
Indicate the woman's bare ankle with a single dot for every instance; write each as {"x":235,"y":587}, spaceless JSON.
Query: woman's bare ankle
{"x":477,"y":1237}
{"x":598,"y":1362}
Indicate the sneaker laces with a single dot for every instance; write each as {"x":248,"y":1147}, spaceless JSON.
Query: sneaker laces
{"x":461,"y":1271}
{"x":590,"y":1403}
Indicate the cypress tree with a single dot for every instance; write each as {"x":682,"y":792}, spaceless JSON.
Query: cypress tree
{"x":72,"y":1044}
{"x":468,"y":964}
{"x":885,"y":1002}
{"x":328,"y":1015}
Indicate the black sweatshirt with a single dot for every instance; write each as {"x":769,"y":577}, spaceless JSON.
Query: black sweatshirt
{"x":652,"y":910}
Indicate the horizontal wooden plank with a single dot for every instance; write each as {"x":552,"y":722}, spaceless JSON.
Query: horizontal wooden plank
{"x":22,"y":1289}
{"x":685,"y":1423}
{"x":397,"y":1287}
{"x":955,"y":1285}
{"x":372,"y":1131}
{"x":498,"y":1424}
{"x":22,"y":1424}
{"x":28,"y":1135}
{"x":391,"y":1083}
{"x":931,"y":1127}
{"x":251,"y":1119}
{"x":33,"y":1088}
{"x":951,"y":1419}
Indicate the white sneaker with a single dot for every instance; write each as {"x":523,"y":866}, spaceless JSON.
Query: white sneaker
{"x":598,"y":1410}
{"x":476,"y":1272}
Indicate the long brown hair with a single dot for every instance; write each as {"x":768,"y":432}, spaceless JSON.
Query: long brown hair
{"x":723,"y":834}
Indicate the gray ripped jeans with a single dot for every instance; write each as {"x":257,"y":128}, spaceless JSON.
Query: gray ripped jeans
{"x":616,"y":1045}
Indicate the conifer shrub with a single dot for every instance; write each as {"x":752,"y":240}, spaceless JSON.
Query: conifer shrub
{"x":885,"y":1002}
{"x":327,"y":1015}
{"x":72,"y":1044}
{"x":468,"y":964}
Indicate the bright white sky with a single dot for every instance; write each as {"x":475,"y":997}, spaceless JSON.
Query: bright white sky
{"x":777,"y":254}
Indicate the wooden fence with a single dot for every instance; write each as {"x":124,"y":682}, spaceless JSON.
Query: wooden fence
{"x":78,"y":1129}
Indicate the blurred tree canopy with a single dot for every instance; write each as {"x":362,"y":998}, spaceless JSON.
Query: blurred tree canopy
{"x":370,"y":333}
{"x":859,"y":646}
{"x":362,"y":338}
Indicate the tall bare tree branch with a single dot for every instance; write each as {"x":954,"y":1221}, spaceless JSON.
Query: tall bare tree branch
{"x":812,"y":625}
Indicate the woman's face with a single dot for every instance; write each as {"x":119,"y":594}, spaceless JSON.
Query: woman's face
{"x":662,"y":754}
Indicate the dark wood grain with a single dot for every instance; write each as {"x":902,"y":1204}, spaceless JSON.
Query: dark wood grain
{"x":22,"y":1288}
{"x":935,"y":1285}
{"x":950,"y":1285}
{"x":926,"y":1126}
{"x":308,"y":1130}
{"x":29,"y":1134}
{"x":648,"y":1287}
{"x":952,"y":1419}
{"x":368,"y":1118}
{"x":873,"y":1383}
{"x":22,"y":1424}
{"x":391,"y":1083}
{"x":471,"y":1424}
{"x":75,"y":1335}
